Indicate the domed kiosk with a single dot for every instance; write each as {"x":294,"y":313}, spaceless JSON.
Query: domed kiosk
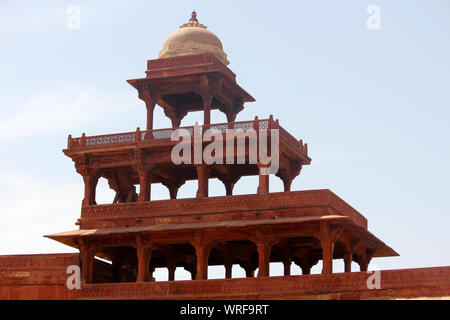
{"x":193,"y":38}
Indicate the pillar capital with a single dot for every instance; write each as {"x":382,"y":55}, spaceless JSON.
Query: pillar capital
{"x":175,"y":116}
{"x":262,"y":237}
{"x":90,"y":179}
{"x":328,"y":235}
{"x":264,"y":242}
{"x":363,"y":255}
{"x":173,"y":185}
{"x":328,"y":232}
{"x":305,"y":262}
{"x":144,"y":172}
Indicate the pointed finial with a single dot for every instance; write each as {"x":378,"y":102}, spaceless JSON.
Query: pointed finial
{"x":193,"y":16}
{"x":193,"y":22}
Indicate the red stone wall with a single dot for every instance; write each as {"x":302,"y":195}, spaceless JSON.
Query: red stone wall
{"x":44,"y":277}
{"x":37,"y":276}
{"x":395,"y":284}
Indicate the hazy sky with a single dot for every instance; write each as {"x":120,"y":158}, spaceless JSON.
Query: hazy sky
{"x":372,"y":104}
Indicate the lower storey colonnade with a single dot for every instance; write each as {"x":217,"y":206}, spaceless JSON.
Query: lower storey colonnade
{"x":135,"y":261}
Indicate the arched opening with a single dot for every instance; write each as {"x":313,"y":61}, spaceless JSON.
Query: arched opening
{"x":184,"y":257}
{"x":124,"y":263}
{"x":216,"y":188}
{"x":104,"y":194}
{"x":158,"y":266}
{"x":188,"y":190}
{"x":191,"y":118}
{"x":172,"y":262}
{"x":102,"y":268}
{"x":275,"y":184}
{"x":216,"y":268}
{"x":182,"y":274}
{"x":246,"y":185}
{"x":239,"y":257}
{"x":295,"y":256}
{"x":238,"y":271}
{"x":276,"y":269}
{"x":159,"y":192}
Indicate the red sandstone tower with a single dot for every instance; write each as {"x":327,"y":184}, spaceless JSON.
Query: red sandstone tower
{"x":138,"y":234}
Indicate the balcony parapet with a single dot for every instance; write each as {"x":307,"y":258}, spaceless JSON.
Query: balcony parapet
{"x":138,"y":137}
{"x":307,"y":201}
{"x":401,"y":283}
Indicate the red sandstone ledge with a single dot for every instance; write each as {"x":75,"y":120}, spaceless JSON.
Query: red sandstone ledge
{"x":308,"y":199}
{"x":47,"y":276}
{"x":403,"y":283}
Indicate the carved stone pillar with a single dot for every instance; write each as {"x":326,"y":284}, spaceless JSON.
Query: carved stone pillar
{"x":144,"y":173}
{"x":207,"y":101}
{"x":229,"y":180}
{"x":150,"y":105}
{"x":87,"y":262}
{"x":171,"y":268}
{"x":249,"y":268}
{"x":203,"y":176}
{"x":287,"y":267}
{"x":288,"y":174}
{"x":175,"y":116}
{"x":363,"y":257}
{"x":327,"y":255}
{"x":350,"y":244}
{"x":227,"y":259}
{"x":306,"y":267}
{"x":249,"y":272}
{"x":202,"y":247}
{"x":348,"y":262}
{"x":263,"y":187}
{"x":150,"y":98}
{"x":145,"y":185}
{"x":327,"y":237}
{"x":264,"y":244}
{"x":228,"y":270}
{"x":144,"y":251}
{"x":263,"y":259}
{"x":144,"y":254}
{"x":202,"y":262}
{"x":286,"y":258}
{"x":228,"y":188}
{"x":90,"y":185}
{"x":231,"y":116}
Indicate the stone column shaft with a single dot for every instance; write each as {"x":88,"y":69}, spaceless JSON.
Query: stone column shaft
{"x":203,"y":176}
{"x":144,"y":255}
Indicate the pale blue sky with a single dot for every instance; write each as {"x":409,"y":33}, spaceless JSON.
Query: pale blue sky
{"x":373,"y":105}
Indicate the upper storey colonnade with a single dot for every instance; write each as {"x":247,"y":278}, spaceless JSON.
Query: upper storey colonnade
{"x":145,"y":157}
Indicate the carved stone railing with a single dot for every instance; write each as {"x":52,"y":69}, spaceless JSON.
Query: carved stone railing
{"x":85,"y":143}
{"x":394,"y":284}
{"x":217,"y":205}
